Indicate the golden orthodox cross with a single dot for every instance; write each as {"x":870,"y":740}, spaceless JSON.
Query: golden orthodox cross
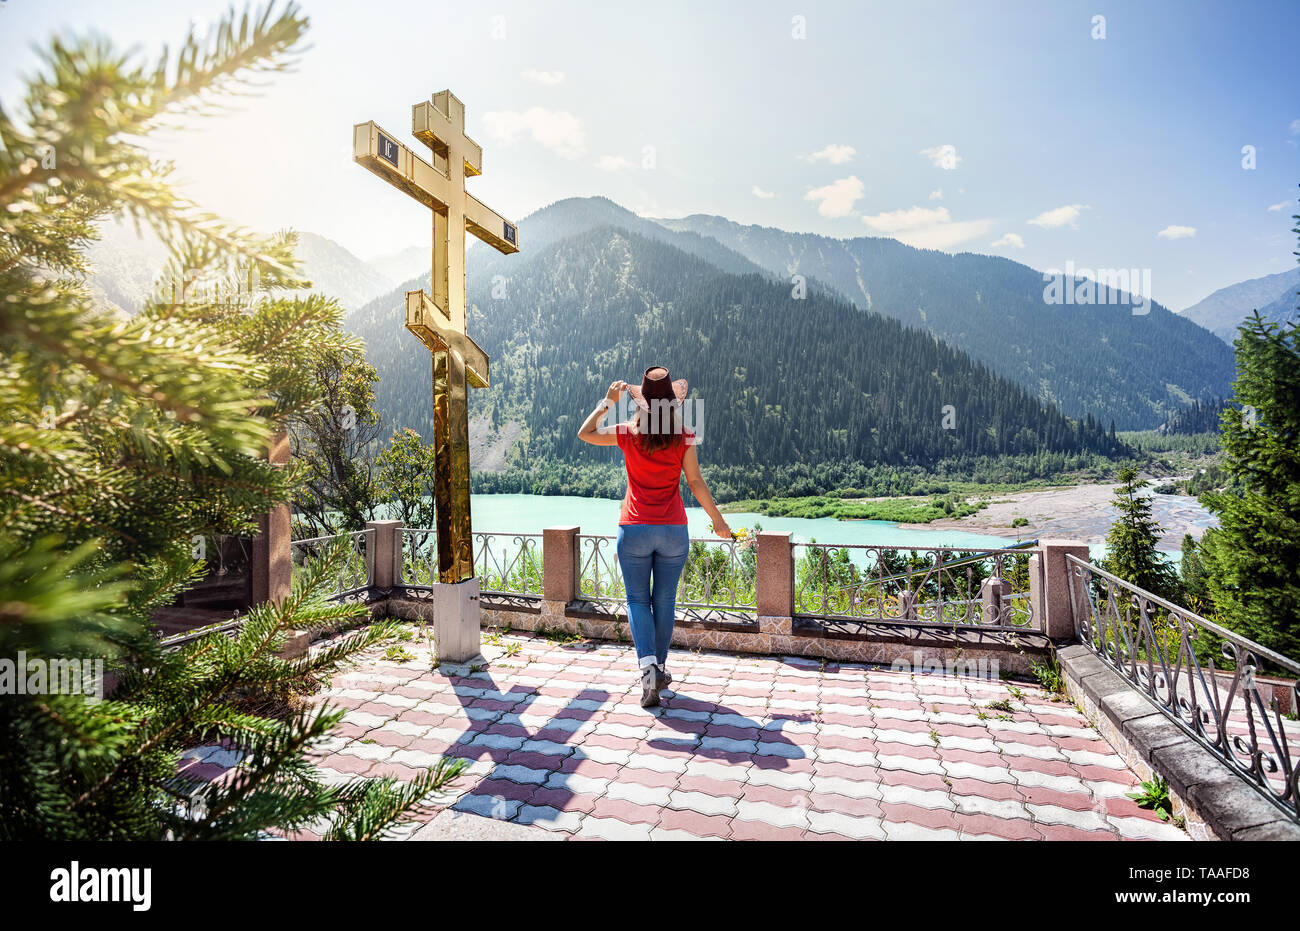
{"x":439,"y":319}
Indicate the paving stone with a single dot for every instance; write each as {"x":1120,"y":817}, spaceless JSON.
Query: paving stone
{"x":695,"y":823}
{"x":550,"y":818}
{"x":905,"y":831}
{"x":489,"y":806}
{"x":1089,"y":820}
{"x":921,"y":798}
{"x":703,"y":803}
{"x":762,"y":831}
{"x":600,"y":754}
{"x":858,"y":828}
{"x":775,"y":815}
{"x":781,"y":778}
{"x":612,"y":828}
{"x":979,"y":805}
{"x":663,"y":764}
{"x":1144,"y":829}
{"x":713,"y":770}
{"x":851,"y":788}
{"x":522,"y":774}
{"x":638,"y":793}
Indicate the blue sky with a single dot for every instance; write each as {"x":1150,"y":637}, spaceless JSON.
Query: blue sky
{"x":1001,"y":128}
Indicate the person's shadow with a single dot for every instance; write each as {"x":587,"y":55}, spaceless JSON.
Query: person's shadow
{"x":737,"y":735}
{"x":734,"y":732}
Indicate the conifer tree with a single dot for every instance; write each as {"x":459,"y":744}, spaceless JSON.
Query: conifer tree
{"x":1131,"y":543}
{"x":122,"y":440}
{"x":1252,"y":559}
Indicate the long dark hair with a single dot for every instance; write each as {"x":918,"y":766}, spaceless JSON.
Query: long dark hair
{"x":659,"y":427}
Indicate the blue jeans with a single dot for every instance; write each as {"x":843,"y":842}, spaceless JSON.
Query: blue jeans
{"x":657,"y":550}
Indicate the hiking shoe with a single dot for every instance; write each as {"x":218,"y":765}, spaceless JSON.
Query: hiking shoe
{"x":649,"y":687}
{"x":665,"y":677}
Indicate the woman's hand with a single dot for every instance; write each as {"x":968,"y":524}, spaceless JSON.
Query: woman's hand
{"x":721,"y":528}
{"x":616,"y":389}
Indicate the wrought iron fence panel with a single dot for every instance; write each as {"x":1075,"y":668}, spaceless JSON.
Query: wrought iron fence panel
{"x":419,"y":556}
{"x":1167,"y":652}
{"x":354,"y":570}
{"x":719,"y":574}
{"x":508,"y":563}
{"x":599,"y":577}
{"x":921,"y":586}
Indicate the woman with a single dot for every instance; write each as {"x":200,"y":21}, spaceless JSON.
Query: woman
{"x":652,"y":536}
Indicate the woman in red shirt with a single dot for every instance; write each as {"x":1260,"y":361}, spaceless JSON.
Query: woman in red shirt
{"x":652,"y":536}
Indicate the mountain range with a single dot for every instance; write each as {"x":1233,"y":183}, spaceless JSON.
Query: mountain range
{"x":782,"y":380}
{"x":125,"y":266}
{"x":639,"y":285}
{"x":1101,"y":358}
{"x":1274,"y":296}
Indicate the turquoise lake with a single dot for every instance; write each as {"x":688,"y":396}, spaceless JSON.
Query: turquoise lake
{"x":532,"y":513}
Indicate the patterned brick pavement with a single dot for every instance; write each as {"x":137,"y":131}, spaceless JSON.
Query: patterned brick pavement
{"x":742,"y":748}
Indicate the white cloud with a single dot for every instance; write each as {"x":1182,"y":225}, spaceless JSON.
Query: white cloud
{"x":549,"y":78}
{"x":1008,"y":239}
{"x":1177,"y":232}
{"x":943,"y":156}
{"x":1280,"y":205}
{"x":926,"y":227}
{"x":896,"y":221}
{"x":837,"y":199}
{"x":613,"y":163}
{"x":556,"y":130}
{"x":1060,"y":216}
{"x":762,"y":194}
{"x":946,"y":235}
{"x":936,"y":194}
{"x":1295,"y":127}
{"x":835,"y":154}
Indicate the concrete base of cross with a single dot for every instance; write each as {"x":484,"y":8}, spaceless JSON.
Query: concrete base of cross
{"x":456,"y":632}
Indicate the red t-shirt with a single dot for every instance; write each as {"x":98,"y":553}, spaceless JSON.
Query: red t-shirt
{"x":653,"y":480}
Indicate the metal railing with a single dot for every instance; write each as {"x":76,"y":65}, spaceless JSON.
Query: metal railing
{"x":718,"y":574}
{"x":505,"y":563}
{"x":599,"y":578}
{"x":1167,"y":653}
{"x":355,"y":569}
{"x":867,"y":585}
{"x":509,"y":563}
{"x":419,"y":559}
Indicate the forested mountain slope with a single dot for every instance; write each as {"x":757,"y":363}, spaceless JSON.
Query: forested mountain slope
{"x":782,"y":381}
{"x":1095,"y":358}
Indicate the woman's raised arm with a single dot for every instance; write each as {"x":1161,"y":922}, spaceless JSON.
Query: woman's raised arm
{"x":590,"y":431}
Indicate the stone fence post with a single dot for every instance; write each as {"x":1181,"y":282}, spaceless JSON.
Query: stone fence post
{"x":775,"y":581}
{"x":1049,"y":586}
{"x":387,"y":541}
{"x":560,"y":564}
{"x":271,"y":561}
{"x":993,"y":591}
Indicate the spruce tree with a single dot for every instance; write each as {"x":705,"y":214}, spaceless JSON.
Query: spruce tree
{"x":1131,"y":543}
{"x":123,"y":440}
{"x":1252,"y":559}
{"x":1191,"y":570}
